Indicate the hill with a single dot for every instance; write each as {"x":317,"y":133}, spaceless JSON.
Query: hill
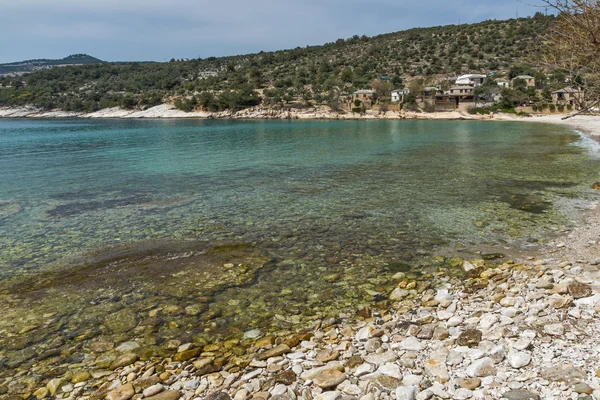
{"x":318,"y":74}
{"x":22,"y":67}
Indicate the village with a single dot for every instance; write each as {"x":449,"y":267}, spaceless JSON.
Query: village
{"x":469,"y":92}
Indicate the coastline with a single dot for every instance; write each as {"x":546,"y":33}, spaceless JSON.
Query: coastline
{"x":516,"y":330}
{"x":166,"y":111}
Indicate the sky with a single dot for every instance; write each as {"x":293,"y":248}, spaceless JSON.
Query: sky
{"x":158,"y":30}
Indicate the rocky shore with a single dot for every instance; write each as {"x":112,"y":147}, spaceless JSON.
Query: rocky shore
{"x":259,"y":112}
{"x":526,"y":330}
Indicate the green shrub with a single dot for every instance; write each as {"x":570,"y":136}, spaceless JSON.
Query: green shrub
{"x":552,"y":108}
{"x":569,"y":107}
{"x":561,"y":107}
{"x":534,"y":107}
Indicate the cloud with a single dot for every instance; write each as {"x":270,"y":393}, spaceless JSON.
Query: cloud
{"x":159,"y":29}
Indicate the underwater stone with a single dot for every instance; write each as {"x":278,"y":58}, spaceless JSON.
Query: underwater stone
{"x":121,"y":321}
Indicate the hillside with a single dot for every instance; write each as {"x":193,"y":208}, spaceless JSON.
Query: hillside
{"x":318,"y":74}
{"x":42,"y":64}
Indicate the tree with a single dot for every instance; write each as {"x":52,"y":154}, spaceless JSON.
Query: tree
{"x":383,"y":89}
{"x":573,"y":45}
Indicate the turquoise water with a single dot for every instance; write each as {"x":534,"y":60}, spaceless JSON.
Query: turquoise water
{"x":336,"y":206}
{"x":74,"y":186}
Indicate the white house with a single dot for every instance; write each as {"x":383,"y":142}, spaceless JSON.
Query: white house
{"x":503,"y":83}
{"x":471,"y":80}
{"x":398,"y":95}
{"x":461,"y":90}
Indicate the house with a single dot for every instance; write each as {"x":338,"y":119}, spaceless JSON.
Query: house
{"x":470,"y":80}
{"x":364,"y":96}
{"x":461,"y":91}
{"x":398,"y":95}
{"x":503,"y":83}
{"x":568,"y":95}
{"x":529,"y":80}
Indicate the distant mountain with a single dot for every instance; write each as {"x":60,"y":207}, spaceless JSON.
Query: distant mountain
{"x":21,"y":67}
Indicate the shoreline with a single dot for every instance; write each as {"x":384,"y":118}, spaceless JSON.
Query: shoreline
{"x":521,"y":330}
{"x":166,"y":111}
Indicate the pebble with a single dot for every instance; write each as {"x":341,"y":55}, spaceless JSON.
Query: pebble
{"x":518,"y":359}
{"x":469,"y":383}
{"x":406,"y":393}
{"x":329,"y":378}
{"x":411,"y":343}
{"x":518,"y":394}
{"x":554,"y":329}
{"x":482,"y":367}
{"x":152,"y":390}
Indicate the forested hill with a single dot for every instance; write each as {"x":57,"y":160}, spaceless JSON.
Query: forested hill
{"x":314,"y":73}
{"x":41,"y":64}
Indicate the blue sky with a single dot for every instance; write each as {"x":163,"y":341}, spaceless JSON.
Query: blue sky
{"x":136,"y":30}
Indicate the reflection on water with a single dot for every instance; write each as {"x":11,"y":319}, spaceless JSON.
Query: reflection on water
{"x":198,"y":230}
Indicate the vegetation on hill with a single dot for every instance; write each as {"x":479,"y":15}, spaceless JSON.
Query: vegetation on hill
{"x":34,"y":65}
{"x":316,"y":74}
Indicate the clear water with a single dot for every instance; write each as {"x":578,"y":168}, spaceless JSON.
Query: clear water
{"x":333,"y":205}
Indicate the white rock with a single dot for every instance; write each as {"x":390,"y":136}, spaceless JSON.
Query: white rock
{"x":252,"y":374}
{"x":152,"y":390}
{"x":554,"y":329}
{"x":352,"y":390}
{"x":436,"y":366}
{"x":442,"y":295}
{"x":364,"y":369}
{"x":468,"y":266}
{"x":128,"y":346}
{"x":487,"y":321}
{"x":297,"y":369}
{"x":525,"y":340}
{"x":588,"y":301}
{"x":312,"y":373}
{"x":191,"y":385}
{"x":390,"y":369}
{"x":279,"y":390}
{"x":334,"y":395}
{"x":406,"y":393}
{"x":454,"y":358}
{"x":412,"y":380}
{"x":425,"y":395}
{"x":462,"y":394}
{"x":253,"y":334}
{"x":510,"y":312}
{"x":364,"y":333}
{"x":508,"y":302}
{"x":411,"y":343}
{"x":497,"y":353}
{"x":518,"y":359}
{"x":295,"y":356}
{"x":241,"y":394}
{"x":482,"y":367}
{"x":439,"y":390}
{"x":444,"y":315}
{"x":454,"y":321}
{"x":398,"y":294}
{"x":381,"y":358}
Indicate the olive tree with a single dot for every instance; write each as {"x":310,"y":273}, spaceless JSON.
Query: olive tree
{"x":572,"y":46}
